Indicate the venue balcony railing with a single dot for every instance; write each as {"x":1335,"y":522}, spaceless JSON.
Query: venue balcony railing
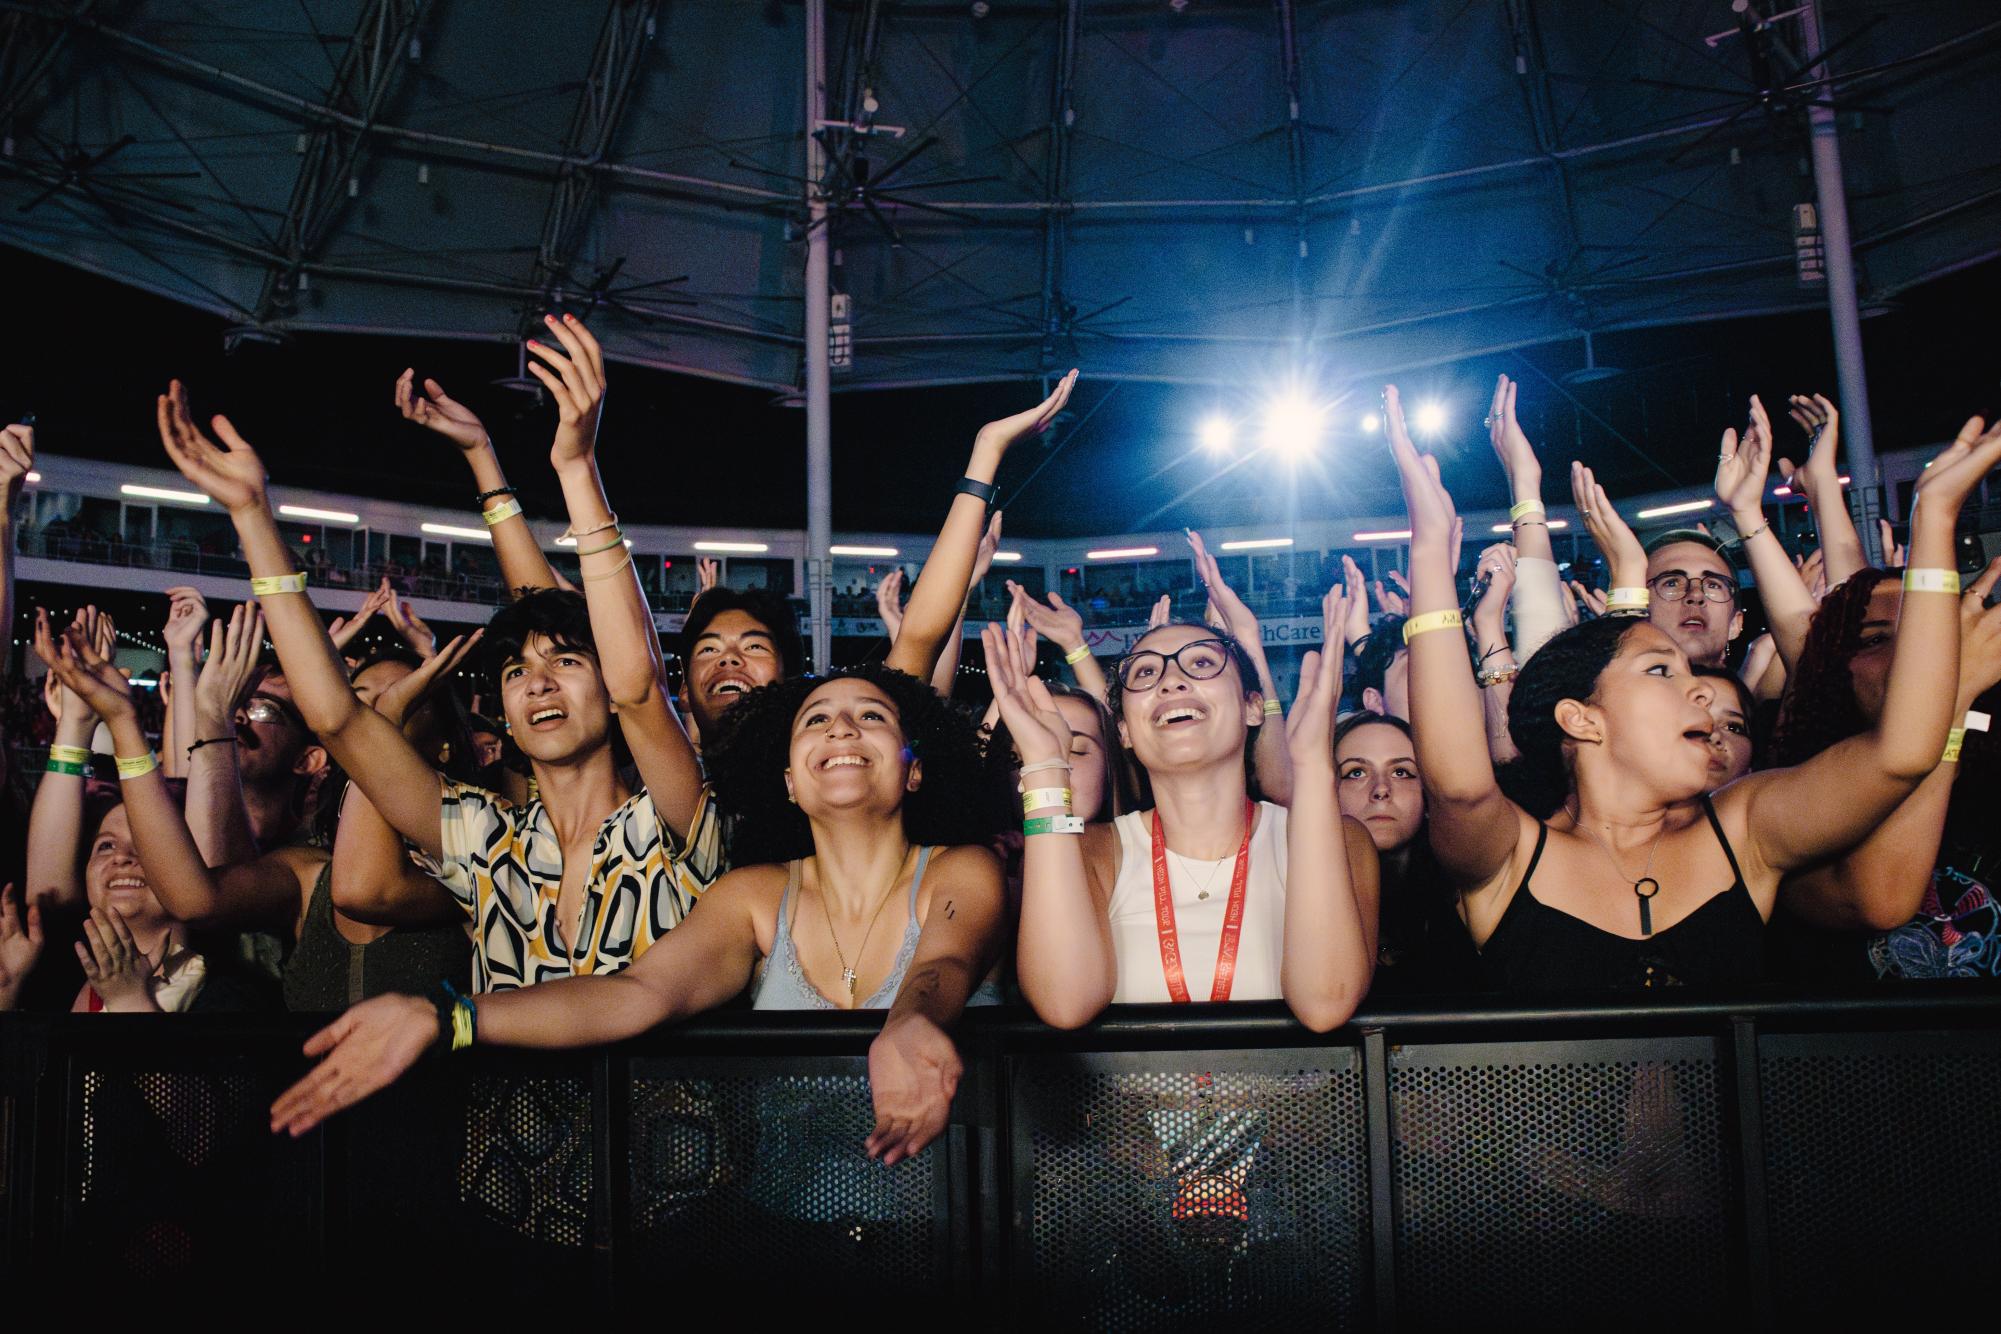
{"x":1429,"y":1166}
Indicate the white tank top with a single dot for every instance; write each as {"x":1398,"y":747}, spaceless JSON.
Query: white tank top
{"x":1198,"y":920}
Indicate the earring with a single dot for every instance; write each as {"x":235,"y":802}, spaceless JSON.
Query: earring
{"x":791,"y":796}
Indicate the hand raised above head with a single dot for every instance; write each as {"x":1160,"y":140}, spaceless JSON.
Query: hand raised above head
{"x":436,"y":410}
{"x":230,"y":473}
{"x":575,"y":378}
{"x":1008,"y":430}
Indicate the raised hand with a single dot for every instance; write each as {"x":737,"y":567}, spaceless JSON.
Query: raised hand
{"x":1946,"y":481}
{"x":889,"y":601}
{"x":17,"y":457}
{"x":1393,"y":601}
{"x":1235,"y":617}
{"x":114,"y":965}
{"x":983,"y":557}
{"x":343,"y":629}
{"x":1058,"y":621}
{"x":231,"y":670}
{"x":1037,"y":725}
{"x":1742,"y":466}
{"x":1813,"y":573}
{"x":1893,"y":550}
{"x":187,"y":613}
{"x":410,"y":626}
{"x":230,"y":473}
{"x":20,"y":944}
{"x":1593,"y":600}
{"x":707,"y":571}
{"x":1979,"y":638}
{"x":1006,"y":431}
{"x":1497,"y":567}
{"x":1625,"y":558}
{"x":1425,"y":498}
{"x":1821,"y":421}
{"x":1162,"y":613}
{"x":1505,"y":434}
{"x":1021,"y":637}
{"x":575,"y":379}
{"x":913,"y":1072}
{"x":401,"y":698}
{"x":83,"y":669}
{"x":436,"y":410}
{"x":365,"y":1050}
{"x":1309,"y":727}
{"x":1356,"y":587}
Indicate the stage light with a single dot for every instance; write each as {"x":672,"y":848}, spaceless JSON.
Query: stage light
{"x":1371,"y":423}
{"x":1429,"y":417}
{"x":1292,"y":426}
{"x":1218,"y":433}
{"x":1686,"y":507}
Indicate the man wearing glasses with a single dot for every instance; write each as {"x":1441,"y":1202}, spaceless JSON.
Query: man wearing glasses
{"x":278,"y":760}
{"x":1694,"y":594}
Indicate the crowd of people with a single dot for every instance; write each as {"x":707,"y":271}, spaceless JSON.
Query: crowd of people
{"x":1497,"y":782}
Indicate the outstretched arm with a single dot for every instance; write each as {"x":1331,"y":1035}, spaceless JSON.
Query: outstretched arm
{"x":1061,"y":625}
{"x":1539,"y":612}
{"x":55,"y":821}
{"x":1474,"y":828}
{"x":1824,"y":807}
{"x":1742,"y":468}
{"x":1269,"y":756}
{"x":628,"y":646}
{"x":1819,"y":480}
{"x":940,"y":592}
{"x":1331,"y":878}
{"x":216,"y":816}
{"x":522,"y":564}
{"x":17,"y":456}
{"x":946,"y":674}
{"x":396,"y":778}
{"x":913,"y":1068}
{"x":699,"y":965}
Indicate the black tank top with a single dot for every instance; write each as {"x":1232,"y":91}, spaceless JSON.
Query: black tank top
{"x":327,"y":971}
{"x":1540,"y":948}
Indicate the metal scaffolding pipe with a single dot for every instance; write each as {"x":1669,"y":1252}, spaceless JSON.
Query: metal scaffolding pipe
{"x":819,"y":380}
{"x":1865,"y":497}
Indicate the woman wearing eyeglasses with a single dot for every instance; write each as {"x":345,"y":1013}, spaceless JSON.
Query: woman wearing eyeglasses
{"x":1209,"y":895}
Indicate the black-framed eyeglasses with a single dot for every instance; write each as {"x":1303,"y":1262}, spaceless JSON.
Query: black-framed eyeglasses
{"x":1198,"y":659}
{"x":1678,"y":587}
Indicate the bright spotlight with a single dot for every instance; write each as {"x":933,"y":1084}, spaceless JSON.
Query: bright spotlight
{"x":1371,"y":423}
{"x":1218,"y":433}
{"x":1292,"y":426}
{"x":1430,"y":417}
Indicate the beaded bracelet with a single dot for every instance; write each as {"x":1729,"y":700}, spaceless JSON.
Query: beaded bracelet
{"x":264,"y":585}
{"x":1042,"y":798}
{"x":1498,"y":676}
{"x":1931,"y":581}
{"x":1077,"y":655}
{"x":501,"y":513}
{"x":1053,"y":824}
{"x":136,"y":766}
{"x":1429,"y":621}
{"x":484,"y":496}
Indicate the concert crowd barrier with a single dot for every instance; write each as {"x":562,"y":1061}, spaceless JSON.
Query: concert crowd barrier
{"x":1732,"y":1161}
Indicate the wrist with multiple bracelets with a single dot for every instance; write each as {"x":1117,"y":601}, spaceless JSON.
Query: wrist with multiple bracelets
{"x":458,"y":1019}
{"x":1628,"y":601}
{"x":1052,"y":799}
{"x":71,"y":760}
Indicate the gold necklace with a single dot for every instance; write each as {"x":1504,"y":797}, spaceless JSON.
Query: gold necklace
{"x":847,"y":973}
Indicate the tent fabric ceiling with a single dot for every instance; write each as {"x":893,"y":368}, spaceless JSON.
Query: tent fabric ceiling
{"x":1193,"y":193}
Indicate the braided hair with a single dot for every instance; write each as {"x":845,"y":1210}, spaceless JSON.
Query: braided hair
{"x":753,"y":746}
{"x":1567,"y":667}
{"x":1820,"y":707}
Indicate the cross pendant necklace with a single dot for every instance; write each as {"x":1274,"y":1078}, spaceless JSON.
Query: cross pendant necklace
{"x":848,"y":976}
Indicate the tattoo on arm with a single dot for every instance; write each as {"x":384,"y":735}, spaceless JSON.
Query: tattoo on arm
{"x":949,"y":912}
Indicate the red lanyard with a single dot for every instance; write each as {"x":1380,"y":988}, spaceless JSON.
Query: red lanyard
{"x":1233,"y":918}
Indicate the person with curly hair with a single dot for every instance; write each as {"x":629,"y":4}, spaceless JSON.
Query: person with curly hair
{"x":1917,"y":897}
{"x":861,"y":790}
{"x":1601,"y":867}
{"x":1209,"y":893}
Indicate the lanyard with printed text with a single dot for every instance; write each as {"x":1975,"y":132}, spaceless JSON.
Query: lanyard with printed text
{"x":1233,"y":918}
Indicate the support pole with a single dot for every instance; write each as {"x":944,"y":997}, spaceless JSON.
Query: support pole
{"x":1865,"y":493}
{"x":819,"y":406}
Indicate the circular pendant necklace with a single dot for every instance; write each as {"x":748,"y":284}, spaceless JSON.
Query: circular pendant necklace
{"x":1646,"y":886}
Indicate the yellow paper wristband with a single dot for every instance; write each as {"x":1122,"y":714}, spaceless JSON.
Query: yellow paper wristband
{"x":264,"y":585}
{"x":1628,"y":599}
{"x":500,"y":513}
{"x":1521,"y":509}
{"x":1431,"y":620}
{"x":1931,"y":581}
{"x":1077,"y":655}
{"x":1042,"y":798}
{"x":1955,"y":741}
{"x":135,"y":766}
{"x":461,"y":1026}
{"x":1273,"y":708}
{"x":70,"y":754}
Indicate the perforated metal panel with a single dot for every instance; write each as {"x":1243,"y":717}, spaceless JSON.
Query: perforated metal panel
{"x":527,"y":1163}
{"x":1584,"y":1182}
{"x":757,"y":1168}
{"x":1172,"y":1188}
{"x":1883,"y":1154}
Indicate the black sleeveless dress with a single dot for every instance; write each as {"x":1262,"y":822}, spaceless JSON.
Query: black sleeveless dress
{"x":1540,"y":948}
{"x":327,"y":971}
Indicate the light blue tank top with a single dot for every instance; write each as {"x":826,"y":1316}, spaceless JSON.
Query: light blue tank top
{"x":782,"y":984}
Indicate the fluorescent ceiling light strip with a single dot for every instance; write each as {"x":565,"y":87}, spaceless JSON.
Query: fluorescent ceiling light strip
{"x":751,"y":547}
{"x":1685,"y":507}
{"x":1509,"y":528}
{"x":446,"y":530}
{"x":1007,"y":555}
{"x":1387,"y":535}
{"x":838,"y":550}
{"x":308,"y":512}
{"x":162,"y":493}
{"x":1114,"y":553}
{"x":1257,"y":544}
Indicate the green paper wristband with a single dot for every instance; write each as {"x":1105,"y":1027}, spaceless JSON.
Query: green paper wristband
{"x":70,"y":767}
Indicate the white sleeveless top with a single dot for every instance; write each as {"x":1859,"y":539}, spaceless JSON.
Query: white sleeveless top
{"x":1198,"y":921}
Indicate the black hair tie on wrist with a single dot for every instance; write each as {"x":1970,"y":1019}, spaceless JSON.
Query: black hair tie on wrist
{"x":210,"y":741}
{"x":485,"y":496}
{"x":984,"y":492}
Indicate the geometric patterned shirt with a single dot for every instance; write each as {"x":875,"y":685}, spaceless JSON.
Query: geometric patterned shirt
{"x":505,"y":867}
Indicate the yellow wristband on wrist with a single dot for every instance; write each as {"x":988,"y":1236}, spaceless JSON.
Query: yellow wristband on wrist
{"x":70,"y":754}
{"x":501,"y":513}
{"x":1521,"y":509}
{"x":1628,"y":599}
{"x":1931,"y":581}
{"x":1955,"y":741}
{"x":1429,"y":621}
{"x":264,"y":585}
{"x":1273,"y":708}
{"x":1077,"y":655}
{"x":1042,"y":798}
{"x":136,"y":766}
